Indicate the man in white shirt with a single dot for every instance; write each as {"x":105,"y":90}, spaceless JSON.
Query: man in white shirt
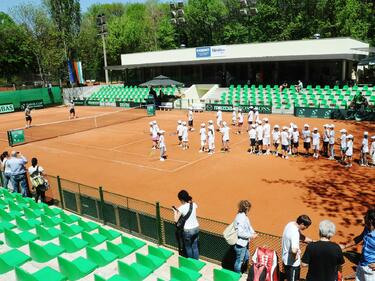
{"x":331,"y":142}
{"x":162,"y":146}
{"x":325,"y":139}
{"x":203,"y":135}
{"x":260,"y":131}
{"x":225,"y":132}
{"x":291,"y":253}
{"x":267,"y":136}
{"x":343,"y":144}
{"x":185,"y":136}
{"x":219,"y":119}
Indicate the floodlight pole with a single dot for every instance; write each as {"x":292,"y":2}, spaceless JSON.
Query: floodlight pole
{"x":102,"y":26}
{"x":105,"y":59}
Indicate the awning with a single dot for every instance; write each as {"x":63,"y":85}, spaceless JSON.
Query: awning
{"x":161,"y":81}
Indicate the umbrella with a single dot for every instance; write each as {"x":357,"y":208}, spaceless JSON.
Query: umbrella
{"x":161,"y":81}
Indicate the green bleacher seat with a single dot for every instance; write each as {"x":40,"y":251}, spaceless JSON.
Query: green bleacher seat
{"x":16,"y":240}
{"x":149,"y":261}
{"x":88,"y":225}
{"x":37,"y":206}
{"x":44,"y":253}
{"x":226,"y":275}
{"x":50,"y":221}
{"x":113,"y":278}
{"x":178,"y":274}
{"x":133,"y":242}
{"x":32,"y":214}
{"x":93,"y":239}
{"x":28,"y":224}
{"x":6,"y":225}
{"x":12,"y":258}
{"x":76,"y":269}
{"x":47,"y":234}
{"x":100,"y":257}
{"x":190,"y":263}
{"x":8,"y":216}
{"x":134,"y":271}
{"x":46,"y":273}
{"x":72,"y":244}
{"x":121,"y":250}
{"x":70,"y":230}
{"x":160,"y":252}
{"x":69,"y":219}
{"x":109,"y":233}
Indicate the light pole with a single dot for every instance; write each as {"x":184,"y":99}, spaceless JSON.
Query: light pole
{"x":178,"y":17}
{"x":102,"y":31}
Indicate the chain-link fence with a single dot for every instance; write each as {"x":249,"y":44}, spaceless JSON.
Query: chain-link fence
{"x":154,"y":222}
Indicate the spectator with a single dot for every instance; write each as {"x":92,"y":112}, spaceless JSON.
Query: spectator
{"x":291,"y":253}
{"x":5,"y":169}
{"x":188,"y":212}
{"x":245,"y":233}
{"x":323,"y":257}
{"x":366,"y":266}
{"x":37,"y":179}
{"x":17,"y":167}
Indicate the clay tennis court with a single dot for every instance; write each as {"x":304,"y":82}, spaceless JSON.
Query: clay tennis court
{"x":119,"y":158}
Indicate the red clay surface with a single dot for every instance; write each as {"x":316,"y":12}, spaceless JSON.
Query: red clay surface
{"x":119,"y":158}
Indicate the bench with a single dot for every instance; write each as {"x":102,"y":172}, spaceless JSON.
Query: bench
{"x":166,"y":106}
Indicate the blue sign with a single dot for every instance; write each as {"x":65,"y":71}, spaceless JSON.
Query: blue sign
{"x":203,"y":52}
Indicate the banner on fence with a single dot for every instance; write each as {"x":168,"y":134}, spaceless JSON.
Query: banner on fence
{"x":32,"y":104}
{"x":6,"y":108}
{"x":333,"y":113}
{"x":264,"y":109}
{"x":79,"y":102}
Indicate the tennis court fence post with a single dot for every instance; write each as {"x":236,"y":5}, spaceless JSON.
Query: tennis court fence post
{"x":101,"y":196}
{"x":60,"y":192}
{"x":158,"y":224}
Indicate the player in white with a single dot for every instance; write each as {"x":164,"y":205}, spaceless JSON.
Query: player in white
{"x":219,"y":119}
{"x":179,"y":132}
{"x":331,"y":142}
{"x":306,"y":136}
{"x":260,"y":130}
{"x":325,"y":140}
{"x":372,"y":150}
{"x":256,"y":115}
{"x":295,"y":140}
{"x":250,"y":118}
{"x":240,"y":121}
{"x":225,"y":138}
{"x":316,"y":142}
{"x":156,"y":126}
{"x":72,"y":111}
{"x":162,"y":145}
{"x":284,"y":142}
{"x":290,"y":136}
{"x":267,"y":136}
{"x":364,"y":150}
{"x":154,"y":135}
{"x":349,"y":151}
{"x":343,"y":144}
{"x":252,"y":139}
{"x":211,"y":137}
{"x":203,"y":134}
{"x":190,"y":119}
{"x":276,"y":138}
{"x":185,"y":136}
{"x":234,"y":117}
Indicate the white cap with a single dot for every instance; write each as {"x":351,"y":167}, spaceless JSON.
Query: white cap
{"x":325,"y":126}
{"x":365,"y":133}
{"x":265,"y":119}
{"x":240,"y":110}
{"x":224,"y":123}
{"x":285,"y":128}
{"x":342,"y":131}
{"x":306,"y":125}
{"x":151,"y":123}
{"x":256,"y":108}
{"x":253,"y":126}
{"x":315,"y":129}
{"x":295,"y":126}
{"x":276,"y":126}
{"x":210,"y":122}
{"x":332,"y":126}
{"x":203,"y":125}
{"x":251,"y":107}
{"x":154,"y":122}
{"x":260,"y":122}
{"x":179,"y":122}
{"x":184,"y":123}
{"x":373,"y":137}
{"x":161,"y":132}
{"x":349,"y":137}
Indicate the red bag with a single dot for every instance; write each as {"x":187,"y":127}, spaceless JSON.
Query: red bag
{"x":266,"y":259}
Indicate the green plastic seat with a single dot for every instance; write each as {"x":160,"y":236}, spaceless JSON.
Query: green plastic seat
{"x":88,"y":225}
{"x":76,"y":269}
{"x":8,"y":216}
{"x":6,"y":225}
{"x":16,"y":208}
{"x":109,"y":233}
{"x":70,"y":230}
{"x":115,"y":277}
{"x":190,"y":263}
{"x":100,"y":257}
{"x":9,"y":260}
{"x":37,"y":206}
{"x":69,"y":219}
{"x":93,"y":239}
{"x":50,"y":221}
{"x":121,"y":250}
{"x":134,"y":272}
{"x":32,"y":213}
{"x":44,"y":253}
{"x":47,"y":234}
{"x":160,"y":252}
{"x":150,"y":261}
{"x":226,"y":275}
{"x":178,"y":274}
{"x":28,"y":224}
{"x":16,"y":240}
{"x":72,"y":244}
{"x":46,"y":273}
{"x":50,"y":211}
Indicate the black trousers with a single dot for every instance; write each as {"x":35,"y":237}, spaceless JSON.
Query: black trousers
{"x":292,"y":273}
{"x":40,"y":194}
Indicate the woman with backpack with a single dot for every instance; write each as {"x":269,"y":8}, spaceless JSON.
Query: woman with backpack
{"x":38,"y":181}
{"x":245,"y":233}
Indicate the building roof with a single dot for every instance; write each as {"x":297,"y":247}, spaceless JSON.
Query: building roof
{"x":316,"y":49}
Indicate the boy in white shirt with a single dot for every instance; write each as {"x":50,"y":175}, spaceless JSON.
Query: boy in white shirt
{"x":250,"y":118}
{"x":259,"y":130}
{"x":295,"y":140}
{"x":372,"y":150}
{"x":225,"y":138}
{"x":364,"y":150}
{"x":256,"y":115}
{"x":306,"y":136}
{"x":343,"y":144}
{"x":202,"y":133}
{"x":349,"y":150}
{"x":316,"y":142}
{"x":276,"y":138}
{"x":240,"y":121}
{"x":284,"y":142}
{"x":331,"y":142}
{"x":154,"y":134}
{"x":190,"y":119}
{"x":211,"y":137}
{"x":234,"y":117}
{"x":219,"y":119}
{"x":162,"y":146}
{"x":252,"y":139}
{"x":267,"y":136}
{"x":325,"y":140}
{"x":290,"y":136}
{"x":185,"y":136}
{"x":179,"y":132}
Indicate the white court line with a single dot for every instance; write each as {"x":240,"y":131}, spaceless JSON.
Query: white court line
{"x":129,"y":143}
{"x":101,"y":158}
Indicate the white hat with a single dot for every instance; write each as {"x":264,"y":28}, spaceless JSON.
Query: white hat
{"x":224,"y":123}
{"x":154,"y":122}
{"x":291,"y":124}
{"x":179,"y":122}
{"x":373,"y":137}
{"x":285,"y":128}
{"x":332,"y":126}
{"x":295,"y":126}
{"x":265,"y":119}
{"x":365,"y":133}
{"x":342,"y":131}
{"x":349,"y":137}
{"x":325,"y":126}
{"x":260,"y":122}
{"x":184,"y":123}
{"x":203,"y":125}
{"x":240,"y":109}
{"x":276,"y":126}
{"x":161,"y":132}
{"x":210,"y":122}
{"x":315,"y":129}
{"x":306,"y":125}
{"x":151,"y":123}
{"x":253,"y":126}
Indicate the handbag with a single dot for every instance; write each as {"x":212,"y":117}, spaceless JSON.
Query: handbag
{"x":180,"y":229}
{"x":182,"y":219}
{"x":39,"y":181}
{"x":230,"y":234}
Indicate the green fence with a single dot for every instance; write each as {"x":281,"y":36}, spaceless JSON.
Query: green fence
{"x":35,"y":98}
{"x":152,"y":221}
{"x":332,"y":113}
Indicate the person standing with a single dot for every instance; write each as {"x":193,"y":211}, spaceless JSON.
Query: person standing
{"x":179,"y":131}
{"x":240,"y":121}
{"x":203,"y":136}
{"x":349,"y":151}
{"x":315,"y":142}
{"x":267,"y":136}
{"x":245,"y":233}
{"x":276,"y":139}
{"x":162,"y":145}
{"x":250,"y":118}
{"x":364,"y":150}
{"x":331,"y":142}
{"x":343,"y":144}
{"x":295,"y":140}
{"x":325,"y":140}
{"x":306,"y":136}
{"x":191,"y":119}
{"x":28,"y":117}
{"x":72,"y":110}
{"x":372,"y":150}
{"x":219,"y":119}
{"x":284,"y":136}
{"x":17,"y":167}
{"x":5,"y":170}
{"x":260,"y":131}
{"x":211,"y":137}
{"x":252,"y":139}
{"x":37,"y":178}
{"x":291,"y":253}
{"x":185,"y":136}
{"x":187,"y":213}
{"x":256,"y":115}
{"x":225,"y":137}
{"x":324,"y":258}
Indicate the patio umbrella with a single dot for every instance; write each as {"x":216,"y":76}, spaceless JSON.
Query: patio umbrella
{"x":161,"y":81}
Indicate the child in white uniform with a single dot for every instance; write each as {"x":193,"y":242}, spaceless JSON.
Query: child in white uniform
{"x":162,"y":146}
{"x":349,"y":150}
{"x":290,"y":136}
{"x":250,"y":118}
{"x":225,"y":132}
{"x":252,"y":139}
{"x":154,"y":134}
{"x":284,"y":142}
{"x":267,"y":136}
{"x":306,"y":136}
{"x":185,"y":136}
{"x":343,"y":144}
{"x":325,"y":139}
{"x":364,"y":149}
{"x":234,"y":117}
{"x":295,"y":140}
{"x":202,"y":133}
{"x":179,"y":132}
{"x":316,"y":142}
{"x":219,"y":119}
{"x":276,"y":138}
{"x":372,"y":150}
{"x":211,"y":137}
{"x":331,"y":142}
{"x":256,"y":115}
{"x":240,"y":121}
{"x":190,"y":119}
{"x":259,"y":130}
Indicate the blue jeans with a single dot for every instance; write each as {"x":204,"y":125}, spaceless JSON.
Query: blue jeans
{"x":18,"y":180}
{"x":6,"y":180}
{"x":191,"y":242}
{"x":242,"y":255}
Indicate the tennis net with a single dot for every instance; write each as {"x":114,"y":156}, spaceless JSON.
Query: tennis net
{"x":62,"y":128}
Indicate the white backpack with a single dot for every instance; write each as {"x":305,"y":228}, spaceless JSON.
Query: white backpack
{"x":230,"y":234}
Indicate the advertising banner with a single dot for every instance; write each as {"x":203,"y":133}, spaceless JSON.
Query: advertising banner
{"x":32,"y":104}
{"x":264,"y":109}
{"x":203,"y":52}
{"x":93,"y":102}
{"x":6,"y":108}
{"x":218,"y":51}
{"x":333,"y":113}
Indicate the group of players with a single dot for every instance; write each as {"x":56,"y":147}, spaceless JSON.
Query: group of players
{"x":282,"y":141}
